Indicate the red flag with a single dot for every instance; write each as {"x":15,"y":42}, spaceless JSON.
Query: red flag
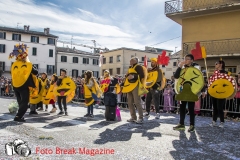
{"x":197,"y":53}
{"x":163,"y":59}
{"x":145,"y":61}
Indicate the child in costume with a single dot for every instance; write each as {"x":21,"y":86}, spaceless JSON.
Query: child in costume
{"x":168,"y":98}
{"x":65,"y":91}
{"x":34,"y":100}
{"x":91,"y":92}
{"x":46,"y":85}
{"x":50,"y":97}
{"x":21,"y":72}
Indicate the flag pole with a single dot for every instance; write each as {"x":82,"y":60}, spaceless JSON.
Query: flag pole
{"x":206,"y":67}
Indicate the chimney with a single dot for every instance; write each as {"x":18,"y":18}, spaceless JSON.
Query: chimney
{"x":28,"y":28}
{"x":45,"y":30}
{"x":25,"y":27}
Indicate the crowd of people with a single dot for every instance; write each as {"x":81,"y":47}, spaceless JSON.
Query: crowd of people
{"x":187,"y":89}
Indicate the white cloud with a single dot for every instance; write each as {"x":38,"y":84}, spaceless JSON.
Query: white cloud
{"x":52,"y":4}
{"x":126,"y":28}
{"x":44,"y":16}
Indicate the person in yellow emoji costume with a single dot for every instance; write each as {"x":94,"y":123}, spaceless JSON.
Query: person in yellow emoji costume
{"x":50,"y":97}
{"x":155,"y":83}
{"x":109,"y":84}
{"x":22,"y":72}
{"x":65,"y":91}
{"x":91,"y":92}
{"x":46,"y":85}
{"x":220,"y":86}
{"x":34,"y":100}
{"x":135,"y":77}
{"x":190,"y":82}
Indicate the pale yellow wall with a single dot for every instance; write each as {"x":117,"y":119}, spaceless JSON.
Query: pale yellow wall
{"x":211,"y":27}
{"x":125,"y":60}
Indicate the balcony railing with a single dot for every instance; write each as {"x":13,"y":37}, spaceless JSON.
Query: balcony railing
{"x":182,"y":6}
{"x":226,"y":47}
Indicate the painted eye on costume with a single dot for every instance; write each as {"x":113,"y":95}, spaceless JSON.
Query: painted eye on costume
{"x":224,"y":85}
{"x":16,"y":67}
{"x":68,"y":84}
{"x":192,"y":79}
{"x":24,"y":66}
{"x":214,"y":86}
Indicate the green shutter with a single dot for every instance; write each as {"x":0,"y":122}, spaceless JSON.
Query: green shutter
{"x":3,"y":66}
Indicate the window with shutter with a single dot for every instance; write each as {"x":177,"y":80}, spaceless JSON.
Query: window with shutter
{"x":16,"y":37}
{"x":2,"y":66}
{"x":75,"y":59}
{"x":34,"y":51}
{"x":2,"y":48}
{"x":51,"y":41}
{"x":50,"y":53}
{"x":104,"y":60}
{"x":50,"y":69}
{"x":2,"y":35}
{"x":63,"y":58}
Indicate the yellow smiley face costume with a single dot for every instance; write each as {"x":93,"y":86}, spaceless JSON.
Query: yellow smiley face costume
{"x":222,"y":85}
{"x":50,"y":94}
{"x":192,"y":75}
{"x":45,"y":91}
{"x":35,"y":99}
{"x":66,"y":88}
{"x":189,"y":85}
{"x":20,"y":72}
{"x":128,"y":86}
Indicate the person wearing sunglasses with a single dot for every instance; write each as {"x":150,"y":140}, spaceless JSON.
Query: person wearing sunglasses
{"x":218,"y":104}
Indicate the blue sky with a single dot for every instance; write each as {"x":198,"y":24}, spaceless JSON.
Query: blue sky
{"x":112,"y":23}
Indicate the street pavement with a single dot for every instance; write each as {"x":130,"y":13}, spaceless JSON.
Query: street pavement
{"x":48,"y":135}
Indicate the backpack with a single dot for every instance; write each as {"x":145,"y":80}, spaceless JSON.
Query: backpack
{"x":110,"y":99}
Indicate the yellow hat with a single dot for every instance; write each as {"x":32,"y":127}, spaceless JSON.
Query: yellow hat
{"x":154,"y":59}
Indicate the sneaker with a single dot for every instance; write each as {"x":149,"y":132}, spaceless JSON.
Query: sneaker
{"x":17,"y":119}
{"x":146,"y":114}
{"x":66,"y":113}
{"x":131,"y":120}
{"x":221,"y":125}
{"x":191,"y":128}
{"x":32,"y":112}
{"x":139,"y":121}
{"x":179,"y":127}
{"x":40,"y":109}
{"x":213,"y":124}
{"x":91,"y":116}
{"x":61,"y":113}
{"x":86,"y":115}
{"x":157,"y":116}
{"x":53,"y":110}
{"x":46,"y":109}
